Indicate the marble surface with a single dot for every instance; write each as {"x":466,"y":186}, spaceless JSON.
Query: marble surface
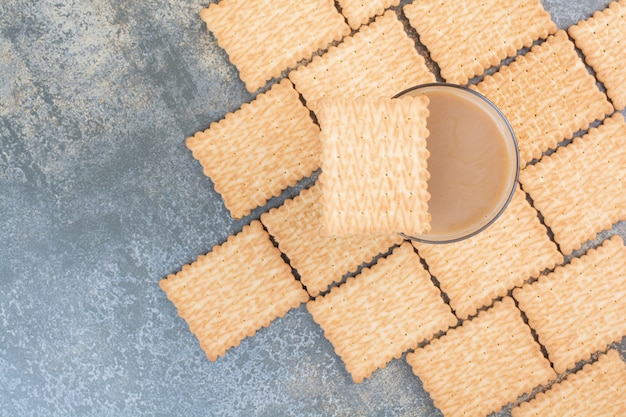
{"x":100,"y":199}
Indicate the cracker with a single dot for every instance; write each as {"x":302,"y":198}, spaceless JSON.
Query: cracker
{"x":602,"y":39}
{"x":359,"y":12}
{"x":581,"y":188}
{"x":374,"y":165}
{"x":467,"y":37}
{"x":256,"y":152}
{"x":264,"y":38}
{"x":234,"y":290}
{"x":381,"y":313}
{"x":599,"y":389}
{"x":579,"y":308}
{"x":477,"y":368}
{"x":547,"y":95}
{"x":475,"y":271}
{"x":320,"y":260}
{"x":380,"y":60}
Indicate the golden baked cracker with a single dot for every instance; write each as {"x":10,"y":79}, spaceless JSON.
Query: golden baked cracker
{"x":380,"y":60}
{"x":381,"y":313}
{"x":598,"y":390}
{"x":264,"y":38}
{"x":467,"y":37}
{"x":578,"y":309}
{"x":374,"y":165}
{"x":259,"y":150}
{"x":320,"y":260}
{"x":581,"y":188}
{"x":475,"y":271}
{"x":547,"y":95}
{"x":602,"y":39}
{"x":359,"y":12}
{"x":488,"y":361}
{"x":234,"y":290}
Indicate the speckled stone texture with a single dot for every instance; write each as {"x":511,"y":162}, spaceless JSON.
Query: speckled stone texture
{"x":100,"y":199}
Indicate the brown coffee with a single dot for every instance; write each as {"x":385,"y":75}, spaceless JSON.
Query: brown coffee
{"x":473,"y":161}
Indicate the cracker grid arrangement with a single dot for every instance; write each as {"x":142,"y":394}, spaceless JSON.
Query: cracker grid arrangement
{"x":602,"y":39}
{"x":467,"y":37}
{"x":263,"y":37}
{"x":598,"y":389}
{"x":234,"y":290}
{"x":320,"y":260}
{"x":578,"y":309}
{"x":477,"y":368}
{"x":381,"y":313}
{"x":256,"y":152}
{"x":547,"y":95}
{"x":581,"y":188}
{"x":380,"y":60}
{"x":475,"y":271}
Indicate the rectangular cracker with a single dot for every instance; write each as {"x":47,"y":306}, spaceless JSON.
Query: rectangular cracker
{"x":579,"y":308}
{"x":547,"y":95}
{"x":467,"y":37}
{"x":602,"y":39}
{"x":581,"y":188}
{"x":234,"y":290}
{"x":596,"y":390}
{"x":256,"y":152}
{"x":264,"y":38}
{"x":475,"y":271}
{"x":359,"y":12}
{"x":374,"y":165}
{"x":320,"y":260}
{"x":381,"y":313}
{"x":488,"y":361}
{"x":380,"y":60}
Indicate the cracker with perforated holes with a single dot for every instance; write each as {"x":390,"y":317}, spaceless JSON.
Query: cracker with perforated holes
{"x":374,"y":165}
{"x":234,"y":290}
{"x":381,"y":313}
{"x":475,"y":271}
{"x":380,"y":60}
{"x":320,"y":260}
{"x":467,"y":37}
{"x":264,"y":38}
{"x":359,"y":12}
{"x":598,"y":389}
{"x":602,"y":39}
{"x":256,"y":152}
{"x":578,"y":309}
{"x":547,"y":95}
{"x":477,"y":368}
{"x":581,"y":188}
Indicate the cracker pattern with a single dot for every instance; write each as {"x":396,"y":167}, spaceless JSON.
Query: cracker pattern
{"x":579,"y":308}
{"x":381,"y":313}
{"x":466,"y":37}
{"x":359,"y":12}
{"x":380,"y":60}
{"x":475,"y":271}
{"x":264,"y":38}
{"x":374,"y":165}
{"x":320,"y":260}
{"x":547,"y":95}
{"x":259,"y":150}
{"x":581,"y":188}
{"x":477,"y":368}
{"x":234,"y":290}
{"x":602,"y":39}
{"x":598,"y":390}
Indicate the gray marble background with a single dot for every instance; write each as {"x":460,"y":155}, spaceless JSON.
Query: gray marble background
{"x":100,"y":199}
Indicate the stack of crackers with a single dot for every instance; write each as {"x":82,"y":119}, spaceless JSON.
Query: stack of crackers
{"x":526,"y":314}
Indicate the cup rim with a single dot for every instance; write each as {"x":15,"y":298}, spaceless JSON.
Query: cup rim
{"x":456,"y":237}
